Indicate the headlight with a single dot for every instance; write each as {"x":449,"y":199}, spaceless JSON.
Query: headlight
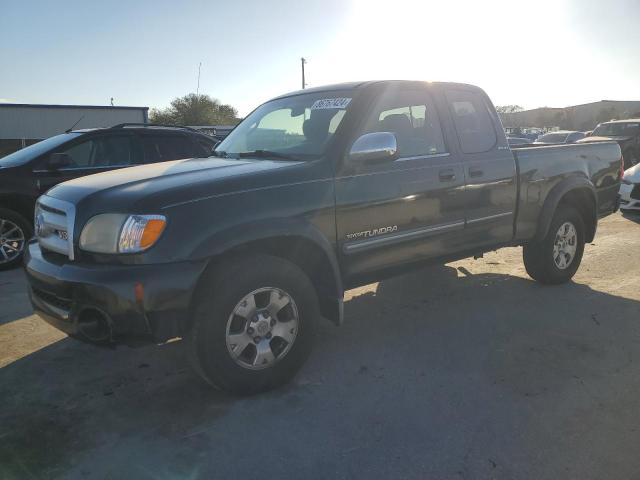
{"x":121,"y":233}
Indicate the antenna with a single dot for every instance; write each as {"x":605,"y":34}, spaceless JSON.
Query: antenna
{"x":198,"y":89}
{"x":68,"y":130}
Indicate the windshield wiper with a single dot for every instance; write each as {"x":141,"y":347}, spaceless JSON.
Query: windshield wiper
{"x":265,"y":154}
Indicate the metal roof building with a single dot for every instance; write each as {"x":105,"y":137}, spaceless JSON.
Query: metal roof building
{"x":24,"y":124}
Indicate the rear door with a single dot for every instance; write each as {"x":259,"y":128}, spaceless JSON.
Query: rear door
{"x":406,"y":210}
{"x":489,"y":168}
{"x":88,"y":155}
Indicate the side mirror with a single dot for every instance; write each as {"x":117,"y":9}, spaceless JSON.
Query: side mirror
{"x":374,"y":147}
{"x":59,"y":160}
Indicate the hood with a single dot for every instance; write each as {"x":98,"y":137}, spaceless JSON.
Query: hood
{"x":618,"y":139}
{"x":127,"y":186}
{"x":632,"y":174}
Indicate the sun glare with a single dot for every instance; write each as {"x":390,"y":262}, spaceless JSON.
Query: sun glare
{"x":466,"y":41}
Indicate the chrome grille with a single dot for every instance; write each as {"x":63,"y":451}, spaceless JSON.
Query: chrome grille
{"x":53,"y":223}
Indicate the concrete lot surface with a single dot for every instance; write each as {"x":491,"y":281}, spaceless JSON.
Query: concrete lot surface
{"x":464,"y":371}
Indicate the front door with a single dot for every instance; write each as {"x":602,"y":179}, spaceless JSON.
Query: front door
{"x":88,"y":155}
{"x":405,"y":210}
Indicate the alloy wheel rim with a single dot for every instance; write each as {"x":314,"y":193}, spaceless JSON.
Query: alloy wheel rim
{"x":262,"y":328}
{"x":565,"y":245}
{"x":12,"y":241}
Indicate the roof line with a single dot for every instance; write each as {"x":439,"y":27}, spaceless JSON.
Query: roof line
{"x":95,"y":107}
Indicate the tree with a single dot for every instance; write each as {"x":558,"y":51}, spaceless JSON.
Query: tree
{"x":194,"y":109}
{"x":509,"y":109}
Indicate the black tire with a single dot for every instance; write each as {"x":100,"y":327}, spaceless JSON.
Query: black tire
{"x":539,"y":255}
{"x":219,"y":294}
{"x":6,"y":250}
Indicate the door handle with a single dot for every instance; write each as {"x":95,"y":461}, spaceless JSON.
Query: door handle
{"x":447,"y":175}
{"x":475,"y":172}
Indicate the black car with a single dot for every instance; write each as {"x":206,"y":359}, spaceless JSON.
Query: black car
{"x":28,"y":173}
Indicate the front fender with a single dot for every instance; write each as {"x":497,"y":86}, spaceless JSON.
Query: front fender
{"x":255,"y":232}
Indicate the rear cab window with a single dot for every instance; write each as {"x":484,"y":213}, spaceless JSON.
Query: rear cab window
{"x":473,"y":123}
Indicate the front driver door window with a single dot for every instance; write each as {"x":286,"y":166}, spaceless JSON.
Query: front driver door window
{"x":90,"y":156}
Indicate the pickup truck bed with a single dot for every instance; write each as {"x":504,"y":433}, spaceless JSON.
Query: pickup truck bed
{"x":314,"y":192}
{"x":547,"y":173}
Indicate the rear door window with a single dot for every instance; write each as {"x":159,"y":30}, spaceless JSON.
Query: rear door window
{"x":162,"y":148}
{"x":473,"y":123}
{"x":205,"y":144}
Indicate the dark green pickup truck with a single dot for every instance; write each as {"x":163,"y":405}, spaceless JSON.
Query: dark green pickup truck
{"x":313,"y":193}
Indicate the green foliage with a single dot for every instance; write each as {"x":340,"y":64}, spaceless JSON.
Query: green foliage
{"x":193,"y":109}
{"x":509,"y":108}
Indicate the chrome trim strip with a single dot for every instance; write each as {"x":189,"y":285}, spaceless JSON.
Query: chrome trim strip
{"x":361,"y":245}
{"x":423,"y":157}
{"x":488,"y":218}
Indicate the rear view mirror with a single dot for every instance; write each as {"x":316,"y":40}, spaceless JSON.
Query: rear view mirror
{"x":374,"y":147}
{"x":58,"y":161}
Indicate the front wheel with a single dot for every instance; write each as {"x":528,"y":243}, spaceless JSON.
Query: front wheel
{"x":556,"y":258}
{"x":15,"y":232}
{"x":253,"y":324}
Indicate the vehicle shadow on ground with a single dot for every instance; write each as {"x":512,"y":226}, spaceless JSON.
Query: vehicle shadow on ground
{"x":74,"y":410}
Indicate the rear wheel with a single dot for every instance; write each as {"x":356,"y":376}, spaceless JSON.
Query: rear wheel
{"x":253,"y":325}
{"x":15,"y":231}
{"x":556,"y":258}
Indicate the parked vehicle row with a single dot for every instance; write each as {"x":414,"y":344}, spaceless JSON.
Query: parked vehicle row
{"x":625,"y":132}
{"x":630,"y":190}
{"x":30,"y":172}
{"x":560,"y":137}
{"x":315,"y":192}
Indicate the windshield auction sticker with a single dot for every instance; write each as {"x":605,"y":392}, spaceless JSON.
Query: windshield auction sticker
{"x":330,"y":103}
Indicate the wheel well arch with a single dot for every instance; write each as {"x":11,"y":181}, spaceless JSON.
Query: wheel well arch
{"x":314,"y":261}
{"x":19,"y":204}
{"x":578,"y":193}
{"x":583,"y":200}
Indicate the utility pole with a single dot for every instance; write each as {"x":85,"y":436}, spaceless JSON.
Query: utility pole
{"x":302,"y":62}
{"x":198,"y":89}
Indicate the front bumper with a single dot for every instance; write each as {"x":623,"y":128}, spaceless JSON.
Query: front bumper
{"x":629,"y":198}
{"x":111,"y":303}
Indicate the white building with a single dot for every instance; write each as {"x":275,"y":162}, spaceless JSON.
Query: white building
{"x":26,"y":124}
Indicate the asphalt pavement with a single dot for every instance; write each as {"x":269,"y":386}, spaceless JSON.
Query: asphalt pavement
{"x":464,"y":371}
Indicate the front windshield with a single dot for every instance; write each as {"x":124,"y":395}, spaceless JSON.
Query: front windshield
{"x":617,"y":129}
{"x":553,"y":138}
{"x":32,"y":151}
{"x":297,"y":127}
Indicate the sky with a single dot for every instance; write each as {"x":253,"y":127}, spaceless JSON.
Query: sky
{"x":145,"y":53}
